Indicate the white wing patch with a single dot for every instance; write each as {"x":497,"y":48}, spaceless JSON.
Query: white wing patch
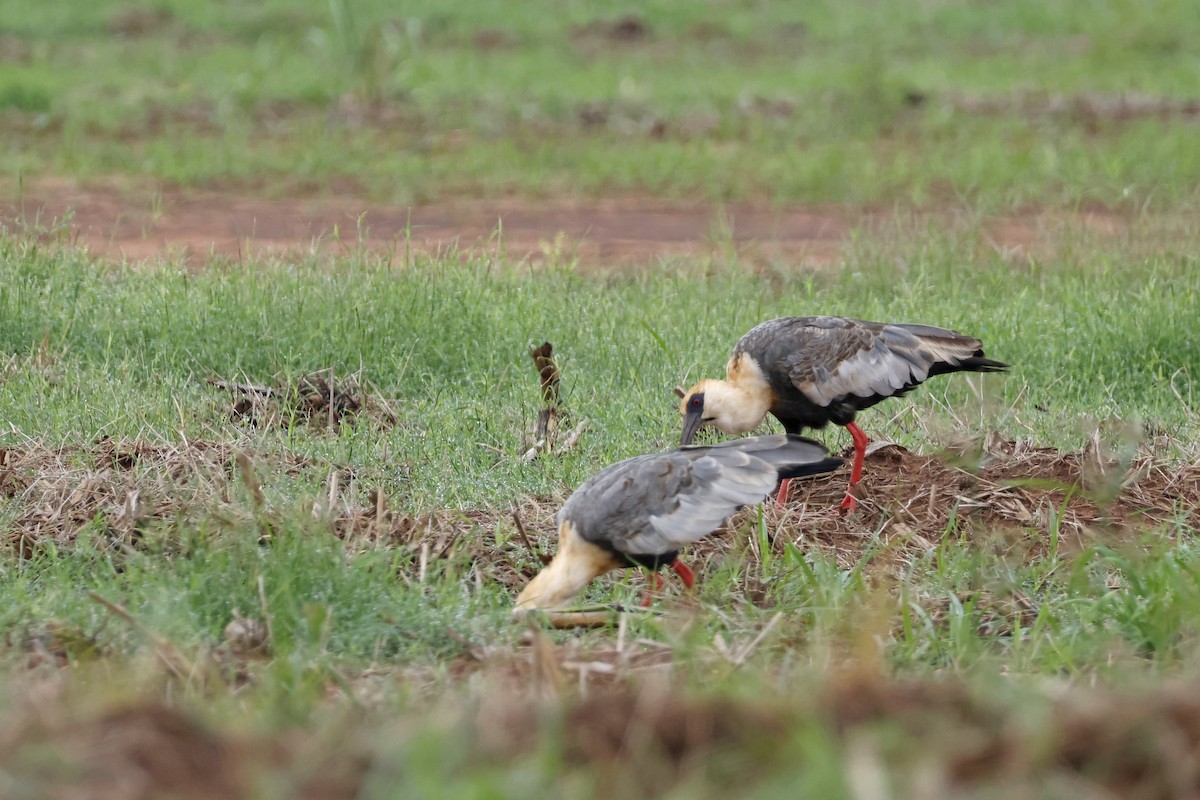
{"x":884,"y":368}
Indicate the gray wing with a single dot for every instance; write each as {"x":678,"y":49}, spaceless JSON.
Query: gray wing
{"x":827,"y":358}
{"x":659,"y":503}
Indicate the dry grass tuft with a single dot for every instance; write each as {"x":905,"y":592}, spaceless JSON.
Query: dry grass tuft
{"x":1023,"y":498}
{"x":117,"y":486}
{"x":488,"y":540}
{"x":320,"y":399}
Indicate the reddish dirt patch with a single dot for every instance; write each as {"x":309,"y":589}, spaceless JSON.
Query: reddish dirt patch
{"x":1019,"y":496}
{"x":144,"y":751}
{"x":139,"y":225}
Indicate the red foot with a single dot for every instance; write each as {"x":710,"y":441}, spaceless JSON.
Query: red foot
{"x":684,"y":572}
{"x":648,"y":597}
{"x":860,"y":453}
{"x":782,"y":497}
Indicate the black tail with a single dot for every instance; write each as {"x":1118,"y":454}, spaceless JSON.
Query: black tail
{"x":802,"y":462}
{"x":812,"y":468}
{"x":791,"y":455}
{"x":973,"y":364}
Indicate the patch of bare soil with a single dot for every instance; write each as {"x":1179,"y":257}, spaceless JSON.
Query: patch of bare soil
{"x":195,"y":226}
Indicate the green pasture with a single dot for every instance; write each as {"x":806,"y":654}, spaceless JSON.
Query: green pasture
{"x":1038,"y":661}
{"x":1102,"y":341}
{"x":995,"y":105}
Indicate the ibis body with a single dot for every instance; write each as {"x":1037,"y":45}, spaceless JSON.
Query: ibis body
{"x":810,"y":371}
{"x":640,"y":512}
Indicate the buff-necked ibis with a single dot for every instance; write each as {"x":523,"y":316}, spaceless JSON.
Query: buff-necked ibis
{"x":640,"y":512}
{"x":810,"y":371}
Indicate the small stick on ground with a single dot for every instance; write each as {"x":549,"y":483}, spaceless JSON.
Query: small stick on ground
{"x":380,"y":511}
{"x":471,"y":650}
{"x":251,"y":480}
{"x":262,"y":601}
{"x":329,"y":408}
{"x":573,"y":437}
{"x":539,"y":555}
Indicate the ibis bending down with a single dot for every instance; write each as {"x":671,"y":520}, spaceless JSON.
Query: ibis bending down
{"x":640,"y":512}
{"x":810,"y":371}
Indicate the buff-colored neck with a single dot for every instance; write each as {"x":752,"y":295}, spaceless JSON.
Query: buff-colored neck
{"x":735,"y":408}
{"x":575,"y":565}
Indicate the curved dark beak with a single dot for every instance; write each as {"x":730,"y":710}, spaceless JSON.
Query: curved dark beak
{"x":692,"y":421}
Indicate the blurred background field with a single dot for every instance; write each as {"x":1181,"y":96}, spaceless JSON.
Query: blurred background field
{"x":996,"y":104}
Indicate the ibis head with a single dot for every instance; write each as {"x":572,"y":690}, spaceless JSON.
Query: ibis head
{"x":729,"y":407}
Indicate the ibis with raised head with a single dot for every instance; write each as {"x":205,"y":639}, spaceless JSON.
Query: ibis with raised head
{"x":810,"y":371}
{"x":642,"y":511}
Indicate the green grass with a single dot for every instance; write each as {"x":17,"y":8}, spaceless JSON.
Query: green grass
{"x":1104,"y":335}
{"x":447,"y":343}
{"x":1034,"y":661}
{"x":785,"y":103}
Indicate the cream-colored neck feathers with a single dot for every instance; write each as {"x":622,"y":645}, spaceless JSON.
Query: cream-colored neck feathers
{"x":574,"y":566}
{"x":736,"y":405}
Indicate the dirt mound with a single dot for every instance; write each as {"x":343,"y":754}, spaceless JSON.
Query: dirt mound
{"x":959,"y":738}
{"x":1036,"y":497}
{"x":128,"y":753}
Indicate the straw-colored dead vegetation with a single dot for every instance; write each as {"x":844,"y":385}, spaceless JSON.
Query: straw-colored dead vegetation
{"x":998,"y":488}
{"x":118,"y":488}
{"x":1008,"y":491}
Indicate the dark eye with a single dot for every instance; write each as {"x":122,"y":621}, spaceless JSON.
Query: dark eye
{"x":697,"y":403}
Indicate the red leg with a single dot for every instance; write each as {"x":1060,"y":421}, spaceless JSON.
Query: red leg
{"x":860,"y":453}
{"x":648,"y":598}
{"x":781,"y":498}
{"x":684,"y":572}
